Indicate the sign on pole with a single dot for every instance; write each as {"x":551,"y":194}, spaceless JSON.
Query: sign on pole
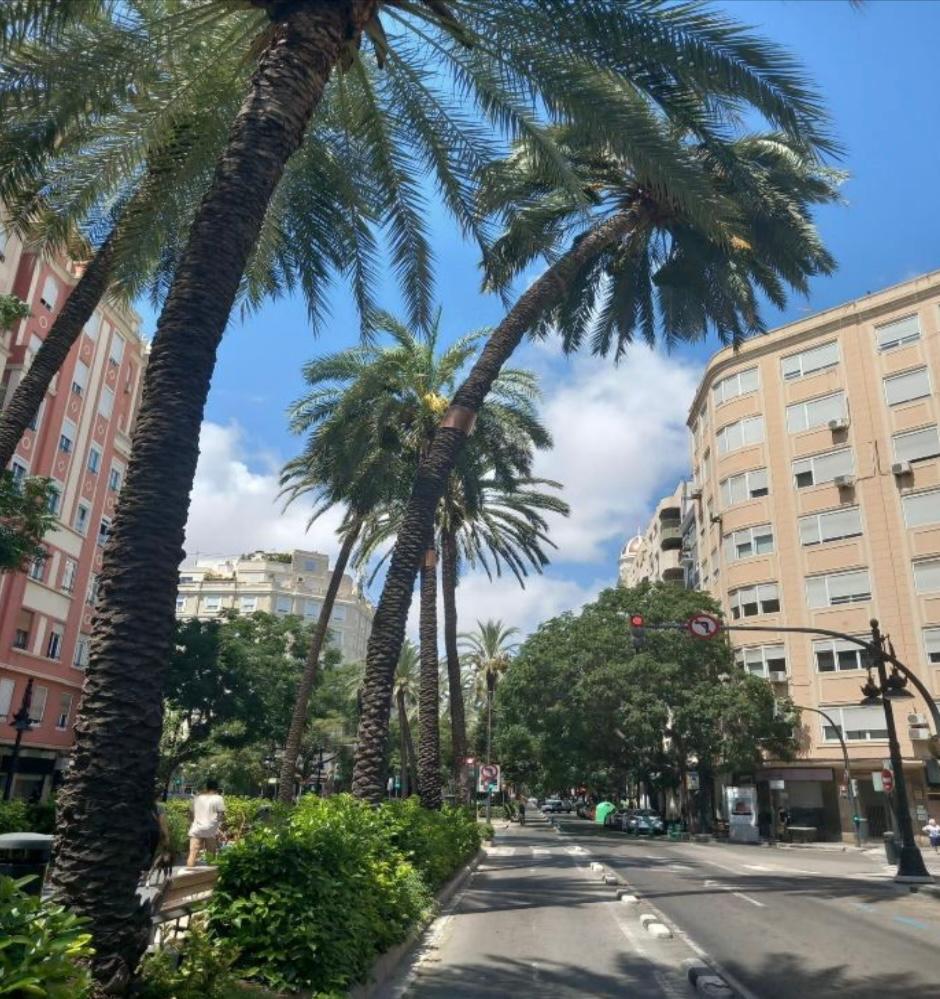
{"x":887,"y":781}
{"x":490,"y":778}
{"x":703,"y":625}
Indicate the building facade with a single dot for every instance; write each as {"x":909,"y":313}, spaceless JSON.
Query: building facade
{"x":278,"y":583}
{"x":816,"y":463}
{"x":81,"y":440}
{"x":665,"y":551}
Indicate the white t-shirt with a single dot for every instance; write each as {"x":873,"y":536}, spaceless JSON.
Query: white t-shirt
{"x":208,"y":810}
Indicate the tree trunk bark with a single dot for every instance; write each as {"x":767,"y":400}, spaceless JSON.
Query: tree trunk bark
{"x":454,"y":687}
{"x":410,"y":758}
{"x":402,"y":743}
{"x":298,"y":722}
{"x":101,"y":846}
{"x":429,"y":700}
{"x":68,"y":325}
{"x":388,"y":625}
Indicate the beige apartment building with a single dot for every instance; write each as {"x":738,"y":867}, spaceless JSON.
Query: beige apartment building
{"x":816,"y":456}
{"x":278,"y":583}
{"x":657,"y":555}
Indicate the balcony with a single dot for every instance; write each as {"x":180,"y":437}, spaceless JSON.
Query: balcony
{"x":674,"y":575}
{"x":670,"y":536}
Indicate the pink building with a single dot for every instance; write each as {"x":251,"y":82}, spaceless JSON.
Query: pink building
{"x":81,"y":440}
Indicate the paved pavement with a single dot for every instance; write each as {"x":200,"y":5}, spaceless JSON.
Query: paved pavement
{"x":784,"y":924}
{"x":534,"y":920}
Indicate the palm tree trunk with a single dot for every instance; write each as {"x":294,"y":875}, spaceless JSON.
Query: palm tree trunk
{"x":101,"y":845}
{"x":50,"y":357}
{"x":429,"y":699}
{"x":388,"y":625}
{"x":298,"y":720}
{"x":410,"y":757}
{"x":402,"y":743}
{"x":458,"y":723}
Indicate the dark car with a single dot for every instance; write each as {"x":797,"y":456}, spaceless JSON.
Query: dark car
{"x":643,"y":822}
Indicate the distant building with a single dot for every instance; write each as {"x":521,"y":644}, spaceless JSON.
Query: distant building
{"x":665,"y":551}
{"x":81,"y":439}
{"x":278,"y":583}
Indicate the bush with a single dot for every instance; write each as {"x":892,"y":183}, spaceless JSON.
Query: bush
{"x":204,"y":970}
{"x":311,"y":904}
{"x":242,"y":815}
{"x":41,"y":947}
{"x":18,"y":816}
{"x":487,"y":831}
{"x":437,"y":843}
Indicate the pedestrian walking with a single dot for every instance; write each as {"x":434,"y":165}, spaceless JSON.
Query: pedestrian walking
{"x":208,"y":810}
{"x":932,"y":829}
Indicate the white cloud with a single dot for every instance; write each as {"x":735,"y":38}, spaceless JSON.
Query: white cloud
{"x":620,"y":443}
{"x":235,"y":508}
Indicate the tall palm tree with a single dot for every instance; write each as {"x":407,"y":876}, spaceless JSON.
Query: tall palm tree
{"x":405,"y":693}
{"x":640,"y":255}
{"x":563,"y":57}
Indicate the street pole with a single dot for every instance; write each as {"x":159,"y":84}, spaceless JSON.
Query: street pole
{"x":911,"y":867}
{"x":22,"y":723}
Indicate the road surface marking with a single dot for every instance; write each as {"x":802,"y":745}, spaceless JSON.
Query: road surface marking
{"x":500,"y":851}
{"x":739,"y":894}
{"x":747,"y":898}
{"x":539,"y":851}
{"x":759,"y":867}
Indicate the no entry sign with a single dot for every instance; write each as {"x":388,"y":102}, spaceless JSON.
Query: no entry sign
{"x":887,"y":781}
{"x":489,"y":777}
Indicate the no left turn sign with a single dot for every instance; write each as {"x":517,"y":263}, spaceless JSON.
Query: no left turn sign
{"x":703,"y":625}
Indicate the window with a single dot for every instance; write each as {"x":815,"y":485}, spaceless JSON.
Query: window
{"x":50,"y":293}
{"x":921,"y":508}
{"x":211,"y":604}
{"x":808,"y":362}
{"x":65,"y":711}
{"x":4,"y":238}
{"x":737,"y":435}
{"x":857,"y":724}
{"x":180,"y":604}
{"x":82,"y":513}
{"x":91,"y":596}
{"x":312,"y":608}
{"x":38,"y":706}
{"x":822,"y":468}
{"x":830,"y":526}
{"x":37,"y":568}
{"x":837,"y":655}
{"x":897,"y":333}
{"x":907,"y":386}
{"x":749,"y":541}
{"x":735,"y":385}
{"x":54,"y":642}
{"x":94,"y":459}
{"x":838,"y":588}
{"x":94,"y":326}
{"x":106,"y":403}
{"x":24,"y":628}
{"x":310,"y":565}
{"x":80,"y":378}
{"x":917,"y":444}
{"x":743,"y":487}
{"x":932,"y":645}
{"x":284,"y":605}
{"x":815,"y":412}
{"x":82,"y":649}
{"x":6,"y":697}
{"x":249,"y":604}
{"x":104,"y":531}
{"x":114,"y":479}
{"x":117,"y":350}
{"x":37,"y":416}
{"x":19,"y":471}
{"x":65,"y":443}
{"x":752,"y":600}
{"x":927,"y":575}
{"x":763,"y":660}
{"x":54,"y":500}
{"x":339,"y":612}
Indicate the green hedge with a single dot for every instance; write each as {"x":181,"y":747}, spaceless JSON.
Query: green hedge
{"x":18,"y":816}
{"x":310,"y":904}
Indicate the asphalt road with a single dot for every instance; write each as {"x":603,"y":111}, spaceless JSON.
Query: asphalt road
{"x":785,"y":923}
{"x":535,"y":921}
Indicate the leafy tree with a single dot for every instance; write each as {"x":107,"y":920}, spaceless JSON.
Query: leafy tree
{"x":694,"y":251}
{"x":24,"y":520}
{"x":580,"y":705}
{"x":12,"y":310}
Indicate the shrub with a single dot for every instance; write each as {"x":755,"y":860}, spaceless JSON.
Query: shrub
{"x":18,"y":816}
{"x":242,"y":815}
{"x":487,"y":831}
{"x":204,"y":970}
{"x":310,"y":904}
{"x":42,"y":947}
{"x":437,"y":843}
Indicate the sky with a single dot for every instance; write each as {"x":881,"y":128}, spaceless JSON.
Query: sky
{"x":620,"y":440}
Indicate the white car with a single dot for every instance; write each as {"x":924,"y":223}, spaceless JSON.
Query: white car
{"x":553,"y":805}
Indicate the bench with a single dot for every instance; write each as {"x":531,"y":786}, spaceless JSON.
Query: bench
{"x":802,"y":834}
{"x":177,"y":899}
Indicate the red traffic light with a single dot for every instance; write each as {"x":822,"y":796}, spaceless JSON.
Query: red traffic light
{"x":636,"y":620}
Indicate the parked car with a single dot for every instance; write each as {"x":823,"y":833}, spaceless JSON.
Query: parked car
{"x":553,"y":805}
{"x":643,"y":822}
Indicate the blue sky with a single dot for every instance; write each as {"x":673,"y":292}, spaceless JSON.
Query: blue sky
{"x":619,"y":436}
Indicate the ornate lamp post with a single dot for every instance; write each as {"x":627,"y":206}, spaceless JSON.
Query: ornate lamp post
{"x":22,"y":723}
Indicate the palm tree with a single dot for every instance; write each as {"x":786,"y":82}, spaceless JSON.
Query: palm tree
{"x":488,"y":653}
{"x":405,"y":694}
{"x":642,"y":252}
{"x":509,"y":57}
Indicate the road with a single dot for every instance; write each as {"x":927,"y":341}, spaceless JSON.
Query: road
{"x":785,"y":923}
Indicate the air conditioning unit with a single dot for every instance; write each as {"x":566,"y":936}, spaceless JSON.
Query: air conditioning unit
{"x":901,"y":468}
{"x":844,"y":481}
{"x":695,"y":490}
{"x":778,"y":675}
{"x":918,"y":734}
{"x":916,"y":720}
{"x":840,"y":424}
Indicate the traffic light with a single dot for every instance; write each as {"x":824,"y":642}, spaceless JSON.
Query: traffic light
{"x":637,"y":630}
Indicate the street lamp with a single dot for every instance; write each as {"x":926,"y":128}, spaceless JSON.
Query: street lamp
{"x":22,"y":723}
{"x":893,"y":686}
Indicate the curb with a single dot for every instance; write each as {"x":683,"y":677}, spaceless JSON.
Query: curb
{"x":387,"y":964}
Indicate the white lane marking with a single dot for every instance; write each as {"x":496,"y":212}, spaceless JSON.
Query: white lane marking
{"x":500,"y":851}
{"x":747,"y":898}
{"x":760,"y":867}
{"x":739,"y":894}
{"x":539,"y":851}
{"x":678,"y":867}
